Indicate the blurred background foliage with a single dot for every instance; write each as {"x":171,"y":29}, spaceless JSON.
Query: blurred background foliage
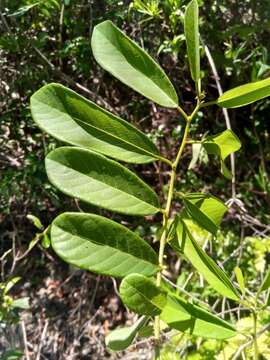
{"x":44,"y":41}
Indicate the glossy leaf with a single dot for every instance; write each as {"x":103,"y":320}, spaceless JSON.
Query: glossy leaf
{"x":222,"y":145}
{"x":191,"y":26}
{"x":240,"y":279}
{"x":141,"y":295}
{"x":205,"y":209}
{"x":97,"y":244}
{"x":125,"y":60}
{"x":194,"y":320}
{"x":71,"y":118}
{"x":202,"y":262}
{"x":245,"y":94}
{"x":266,"y":281}
{"x":97,"y":180}
{"x":121,"y":338}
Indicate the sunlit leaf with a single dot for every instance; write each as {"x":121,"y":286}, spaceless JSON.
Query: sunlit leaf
{"x":222,"y":145}
{"x":35,"y":220}
{"x":141,"y":295}
{"x":191,"y":25}
{"x":240,"y":279}
{"x":206,"y":266}
{"x":21,"y":303}
{"x":266,"y":281}
{"x":194,"y":320}
{"x":205,"y":209}
{"x":71,"y":118}
{"x":124,"y":59}
{"x":97,"y":244}
{"x":97,"y":180}
{"x":245,"y":94}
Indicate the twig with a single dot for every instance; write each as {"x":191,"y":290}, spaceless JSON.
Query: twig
{"x":26,"y":353}
{"x":225,"y":113}
{"x":42,"y":339}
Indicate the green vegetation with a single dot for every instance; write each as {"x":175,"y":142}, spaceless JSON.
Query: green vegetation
{"x":159,"y":231}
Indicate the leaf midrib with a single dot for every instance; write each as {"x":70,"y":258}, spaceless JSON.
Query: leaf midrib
{"x":110,"y":186}
{"x":138,"y":71}
{"x":241,"y":95}
{"x":108,"y":246}
{"x":75,"y":119}
{"x":118,"y":138}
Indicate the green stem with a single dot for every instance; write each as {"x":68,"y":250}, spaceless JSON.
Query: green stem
{"x":166,"y":214}
{"x":255,"y":342}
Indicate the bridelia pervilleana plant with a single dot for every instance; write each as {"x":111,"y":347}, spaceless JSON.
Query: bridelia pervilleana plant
{"x":88,"y":170}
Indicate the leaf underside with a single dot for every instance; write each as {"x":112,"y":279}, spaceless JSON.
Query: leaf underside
{"x":73,"y":119}
{"x":97,"y":244}
{"x":97,"y":180}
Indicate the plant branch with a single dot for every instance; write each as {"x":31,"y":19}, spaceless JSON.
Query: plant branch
{"x":166,"y":214}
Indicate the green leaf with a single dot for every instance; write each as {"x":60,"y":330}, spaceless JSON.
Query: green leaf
{"x":97,"y":180}
{"x":35,"y":220}
{"x":266,"y":282}
{"x":97,"y":244}
{"x":222,"y":145}
{"x":191,"y":26}
{"x":73,"y":119}
{"x":245,"y":94}
{"x":205,"y":209}
{"x":194,"y":320}
{"x":12,"y":355}
{"x":22,"y":303}
{"x":240,"y":279}
{"x":141,"y":295}
{"x":122,"y":338}
{"x":202,"y":262}
{"x":10,"y":283}
{"x":125,"y":60}
{"x":46,"y":242}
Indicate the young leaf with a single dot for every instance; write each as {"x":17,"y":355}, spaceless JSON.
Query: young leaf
{"x":205,"y":209}
{"x":46,"y":242}
{"x":245,"y":94}
{"x":97,"y":244}
{"x":266,"y":282}
{"x":202,"y":262}
{"x":125,"y":60}
{"x":71,"y":118}
{"x":222,"y":145}
{"x":10,"y":283}
{"x":122,"y":338}
{"x":191,"y":26}
{"x":35,"y":220}
{"x":97,"y":180}
{"x":141,"y":295}
{"x":240,"y":279}
{"x":194,"y":320}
